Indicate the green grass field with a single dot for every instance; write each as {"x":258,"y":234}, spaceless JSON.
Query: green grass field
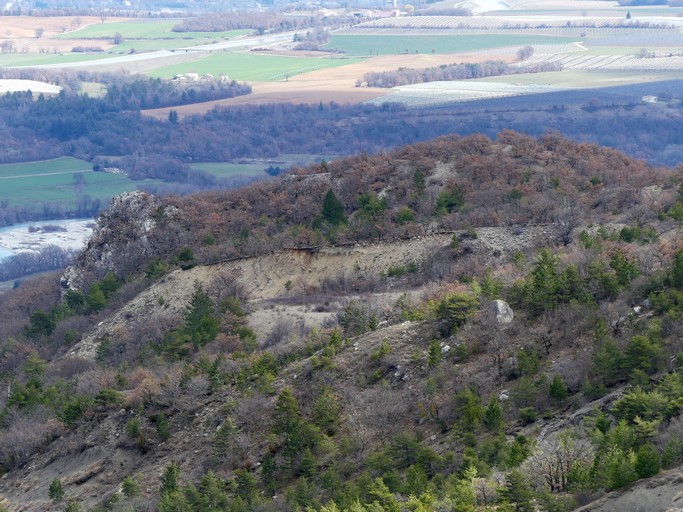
{"x":33,"y":184}
{"x":141,"y":45}
{"x":250,"y":66}
{"x":255,"y":168}
{"x":146,"y":29}
{"x":364,"y":45}
{"x":39,"y":59}
{"x":227,"y":169}
{"x":34,"y":191}
{"x":65,"y":164}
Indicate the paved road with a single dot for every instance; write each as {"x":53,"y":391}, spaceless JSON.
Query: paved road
{"x":246,"y":42}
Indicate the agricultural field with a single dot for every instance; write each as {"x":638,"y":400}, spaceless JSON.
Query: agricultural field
{"x":146,"y":29}
{"x":144,"y":45}
{"x":62,"y":165}
{"x":255,"y":168}
{"x":443,"y":93}
{"x":18,"y":28}
{"x":56,"y":182}
{"x":584,"y":79}
{"x":41,"y":59}
{"x":617,"y":11}
{"x":588,"y":61}
{"x":229,"y":170}
{"x":509,"y":22}
{"x":365,"y":45}
{"x":146,"y":35}
{"x":252,"y":66}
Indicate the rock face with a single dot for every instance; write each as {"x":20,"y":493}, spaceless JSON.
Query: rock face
{"x":120,"y":238}
{"x":502,"y":311}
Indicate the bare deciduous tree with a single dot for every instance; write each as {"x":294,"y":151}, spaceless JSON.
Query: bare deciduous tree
{"x":555,"y":457}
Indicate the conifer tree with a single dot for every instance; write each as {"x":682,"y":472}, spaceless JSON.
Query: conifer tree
{"x":333,"y":209}
{"x":558,"y":390}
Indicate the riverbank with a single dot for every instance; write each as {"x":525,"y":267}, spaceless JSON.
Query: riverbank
{"x":31,"y":237}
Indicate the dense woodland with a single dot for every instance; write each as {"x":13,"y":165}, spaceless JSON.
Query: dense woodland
{"x":309,"y":421}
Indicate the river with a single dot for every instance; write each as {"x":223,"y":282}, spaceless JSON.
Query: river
{"x":18,"y":238}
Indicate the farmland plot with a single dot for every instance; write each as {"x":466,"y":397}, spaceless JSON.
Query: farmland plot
{"x":363,"y":45}
{"x":441,"y":93}
{"x":515,"y":22}
{"x":608,"y":62}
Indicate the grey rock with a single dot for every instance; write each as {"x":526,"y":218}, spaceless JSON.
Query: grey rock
{"x":503,"y":311}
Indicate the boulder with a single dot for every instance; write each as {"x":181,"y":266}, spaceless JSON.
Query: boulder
{"x":502,"y":311}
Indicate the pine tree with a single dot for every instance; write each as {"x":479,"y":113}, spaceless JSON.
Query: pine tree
{"x":493,"y":416}
{"x":558,"y":390}
{"x":648,"y":461}
{"x":677,"y":271}
{"x":463,"y":491}
{"x":381,"y":495}
{"x":170,"y":479}
{"x":333,"y":209}
{"x":287,"y":412}
{"x":434,"y":354}
{"x":201,"y":323}
{"x":419,"y":182}
{"x":71,"y":506}
{"x":543,"y":290}
{"x":56,"y":491}
{"x":518,"y":492}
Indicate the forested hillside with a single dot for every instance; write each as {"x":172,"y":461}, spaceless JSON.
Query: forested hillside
{"x":112,"y":132}
{"x":460,"y":324}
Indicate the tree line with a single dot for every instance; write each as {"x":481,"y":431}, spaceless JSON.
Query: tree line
{"x":261,"y":22}
{"x":84,"y":127}
{"x":447,"y":72}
